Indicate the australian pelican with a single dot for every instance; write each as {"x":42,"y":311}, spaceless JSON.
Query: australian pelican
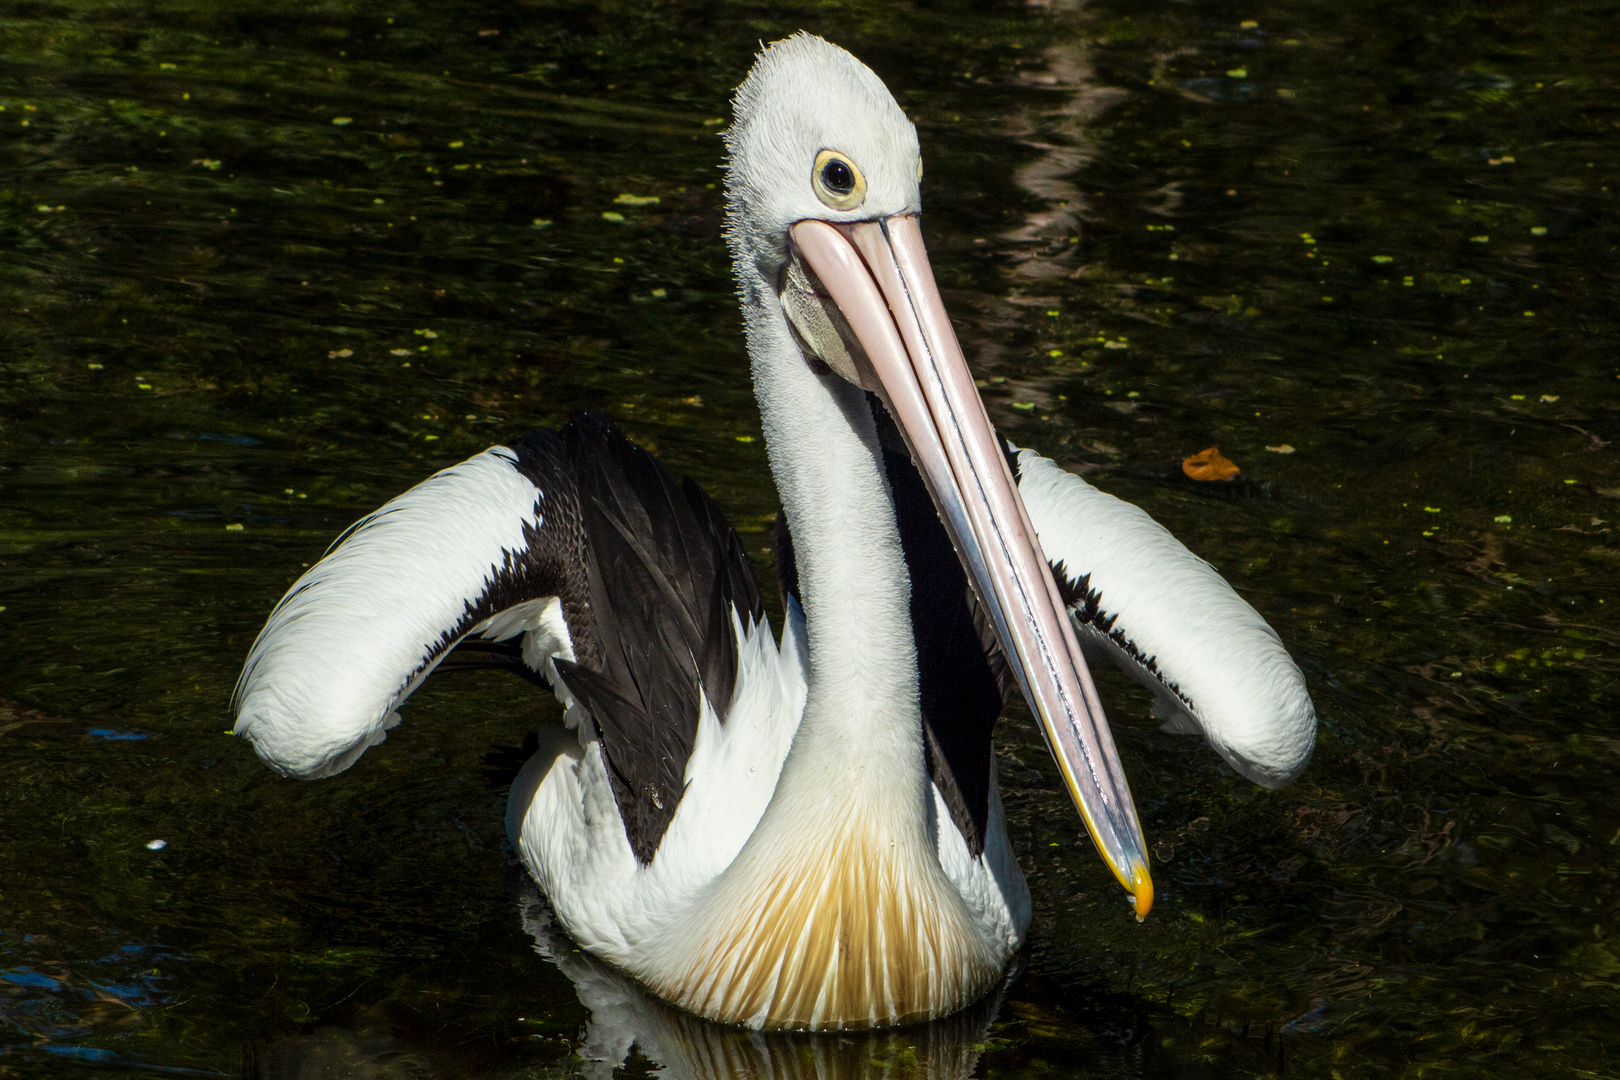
{"x":804,"y":832}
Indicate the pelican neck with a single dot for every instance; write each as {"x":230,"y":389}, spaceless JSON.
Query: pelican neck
{"x":854,"y":587}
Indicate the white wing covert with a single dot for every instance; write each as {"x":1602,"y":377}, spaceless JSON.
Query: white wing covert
{"x":461,"y":553}
{"x":1172,"y":623}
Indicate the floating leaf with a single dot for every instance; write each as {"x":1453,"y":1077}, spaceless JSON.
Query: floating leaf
{"x":399,"y":352}
{"x":1238,"y":73}
{"x":1282,"y":448}
{"x":339,"y":354}
{"x":1431,"y":509}
{"x":342,"y":121}
{"x":234,"y":527}
{"x":1209,"y":464}
{"x":1504,"y":519}
{"x":1024,"y":406}
{"x":1549,"y":398}
{"x":637,"y":200}
{"x":1383,"y":258}
{"x":609,"y":215}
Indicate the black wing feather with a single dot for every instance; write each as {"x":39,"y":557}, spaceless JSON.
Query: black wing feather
{"x":665,"y":571}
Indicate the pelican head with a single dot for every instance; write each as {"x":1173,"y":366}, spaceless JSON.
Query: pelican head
{"x":816,"y":136}
{"x":824,"y":192}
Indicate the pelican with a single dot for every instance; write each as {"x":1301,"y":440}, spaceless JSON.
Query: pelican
{"x":800,"y":832}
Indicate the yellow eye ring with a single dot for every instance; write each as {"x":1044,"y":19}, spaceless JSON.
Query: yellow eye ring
{"x":837,"y":181}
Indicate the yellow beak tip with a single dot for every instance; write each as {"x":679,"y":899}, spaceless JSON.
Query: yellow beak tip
{"x":1144,"y":896}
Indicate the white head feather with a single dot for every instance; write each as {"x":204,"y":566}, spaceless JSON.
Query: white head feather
{"x":805,"y":95}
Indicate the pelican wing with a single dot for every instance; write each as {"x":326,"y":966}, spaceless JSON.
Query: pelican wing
{"x":465,"y":551}
{"x":1172,"y":623}
{"x":622,"y":580}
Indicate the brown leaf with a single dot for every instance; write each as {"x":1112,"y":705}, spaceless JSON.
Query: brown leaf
{"x":1209,"y":465}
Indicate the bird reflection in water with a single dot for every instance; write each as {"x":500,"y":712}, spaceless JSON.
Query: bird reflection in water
{"x":630,"y":1028}
{"x":626,"y":1019}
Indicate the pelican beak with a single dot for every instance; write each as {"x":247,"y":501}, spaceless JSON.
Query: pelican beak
{"x":876,"y":274}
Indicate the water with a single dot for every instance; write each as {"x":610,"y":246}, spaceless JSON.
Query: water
{"x":268,"y":266}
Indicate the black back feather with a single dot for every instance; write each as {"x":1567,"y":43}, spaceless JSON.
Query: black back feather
{"x":664,"y":572}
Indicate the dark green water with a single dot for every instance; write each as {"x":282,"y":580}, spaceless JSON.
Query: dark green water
{"x":264,"y":266}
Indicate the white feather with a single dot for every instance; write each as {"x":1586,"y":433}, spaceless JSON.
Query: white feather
{"x":363,"y":627}
{"x":565,"y":825}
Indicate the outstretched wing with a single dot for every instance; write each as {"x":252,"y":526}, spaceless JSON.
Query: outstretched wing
{"x":622,"y":580}
{"x":1172,"y":623}
{"x":480,"y":547}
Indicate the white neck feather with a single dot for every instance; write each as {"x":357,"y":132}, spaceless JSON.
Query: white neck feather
{"x":860,"y":740}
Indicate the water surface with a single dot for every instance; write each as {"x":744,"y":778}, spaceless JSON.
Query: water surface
{"x":264,"y":266}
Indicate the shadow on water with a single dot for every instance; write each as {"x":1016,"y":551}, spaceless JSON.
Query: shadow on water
{"x":262,"y":267}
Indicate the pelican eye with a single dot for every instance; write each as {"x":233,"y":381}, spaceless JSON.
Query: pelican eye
{"x":838,"y":182}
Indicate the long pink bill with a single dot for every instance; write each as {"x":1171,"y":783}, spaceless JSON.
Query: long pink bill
{"x":877,"y":273}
